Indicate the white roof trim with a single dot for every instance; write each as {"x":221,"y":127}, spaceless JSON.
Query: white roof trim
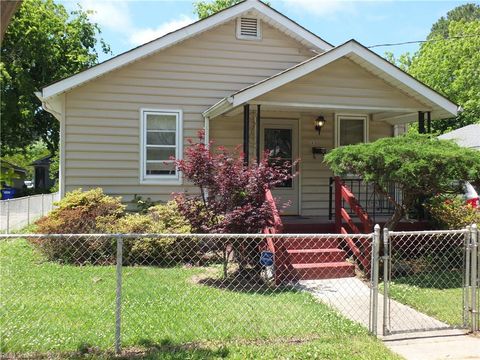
{"x":180,"y":35}
{"x":321,"y":60}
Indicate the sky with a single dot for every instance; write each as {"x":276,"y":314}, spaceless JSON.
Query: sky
{"x":129,"y":23}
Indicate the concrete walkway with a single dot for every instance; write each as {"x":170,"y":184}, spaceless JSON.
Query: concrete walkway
{"x":435,"y":345}
{"x":351,"y":297}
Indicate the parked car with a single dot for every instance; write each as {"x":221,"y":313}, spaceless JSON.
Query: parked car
{"x":470,"y":195}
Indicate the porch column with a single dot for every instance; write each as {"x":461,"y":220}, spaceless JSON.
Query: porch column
{"x":429,"y":122}
{"x":421,"y":122}
{"x":257,"y":123}
{"x":246,"y":127}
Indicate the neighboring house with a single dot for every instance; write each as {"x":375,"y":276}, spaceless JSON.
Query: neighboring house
{"x":41,"y":177}
{"x":18,"y":176}
{"x":247,"y":75}
{"x":467,"y":136}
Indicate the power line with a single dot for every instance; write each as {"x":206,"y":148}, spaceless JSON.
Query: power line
{"x":424,"y":41}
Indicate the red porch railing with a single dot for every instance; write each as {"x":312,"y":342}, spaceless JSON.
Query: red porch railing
{"x":344,"y":223}
{"x":275,"y":228}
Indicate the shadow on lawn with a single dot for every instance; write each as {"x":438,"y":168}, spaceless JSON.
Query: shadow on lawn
{"x":148,"y":350}
{"x":239,"y":282}
{"x":431,"y":279}
{"x":167,"y":349}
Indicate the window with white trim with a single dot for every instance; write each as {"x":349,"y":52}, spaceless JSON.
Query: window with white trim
{"x":351,"y":129}
{"x":161,"y":132}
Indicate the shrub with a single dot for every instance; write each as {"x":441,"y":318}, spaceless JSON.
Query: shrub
{"x":231,"y":195}
{"x":142,"y":205}
{"x":451,"y":212}
{"x":79,"y":213}
{"x":420,"y":166}
{"x":159,"y":219}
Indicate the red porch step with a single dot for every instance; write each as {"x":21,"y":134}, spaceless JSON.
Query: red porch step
{"x":312,"y":256}
{"x":309,"y":243}
{"x":302,"y":258}
{"x":314,"y":271}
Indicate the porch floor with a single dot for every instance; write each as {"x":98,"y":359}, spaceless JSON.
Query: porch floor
{"x":322,"y":224}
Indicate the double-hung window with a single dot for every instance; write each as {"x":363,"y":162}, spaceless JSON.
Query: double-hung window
{"x":161,"y":141}
{"x":351,"y":129}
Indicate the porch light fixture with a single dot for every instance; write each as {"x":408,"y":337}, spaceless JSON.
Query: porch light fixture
{"x":319,"y":122}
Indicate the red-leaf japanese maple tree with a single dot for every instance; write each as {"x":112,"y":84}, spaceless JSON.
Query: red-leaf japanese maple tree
{"x":231,"y":196}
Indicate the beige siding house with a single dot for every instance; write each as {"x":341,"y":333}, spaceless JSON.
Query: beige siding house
{"x":247,"y":75}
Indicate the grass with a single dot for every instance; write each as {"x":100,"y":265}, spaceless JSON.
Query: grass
{"x":435,"y":293}
{"x":167,"y":313}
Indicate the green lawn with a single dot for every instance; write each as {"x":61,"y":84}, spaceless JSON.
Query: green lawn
{"x":167,"y":314}
{"x":438,"y":294}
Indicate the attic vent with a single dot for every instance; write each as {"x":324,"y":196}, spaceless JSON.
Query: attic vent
{"x":248,"y":28}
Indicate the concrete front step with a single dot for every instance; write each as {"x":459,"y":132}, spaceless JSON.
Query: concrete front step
{"x":308,"y":256}
{"x":331,"y":270}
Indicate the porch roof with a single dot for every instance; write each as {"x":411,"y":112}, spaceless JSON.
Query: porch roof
{"x":422,"y":97}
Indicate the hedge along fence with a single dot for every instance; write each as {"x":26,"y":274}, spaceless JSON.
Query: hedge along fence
{"x":93,"y":212}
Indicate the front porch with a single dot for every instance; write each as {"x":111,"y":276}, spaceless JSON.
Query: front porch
{"x":345,"y":96}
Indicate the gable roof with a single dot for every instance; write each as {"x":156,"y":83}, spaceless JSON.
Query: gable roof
{"x":265,"y":12}
{"x":355,"y":51}
{"x":467,"y":136}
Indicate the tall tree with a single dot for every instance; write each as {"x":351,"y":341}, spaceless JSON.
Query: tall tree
{"x":451,"y":66}
{"x":466,"y":12}
{"x":206,"y":8}
{"x":449,"y":61}
{"x":43,"y":44}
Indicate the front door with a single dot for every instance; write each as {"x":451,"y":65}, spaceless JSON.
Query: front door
{"x":279,"y":137}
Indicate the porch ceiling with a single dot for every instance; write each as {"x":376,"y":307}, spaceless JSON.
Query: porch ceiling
{"x":349,"y":78}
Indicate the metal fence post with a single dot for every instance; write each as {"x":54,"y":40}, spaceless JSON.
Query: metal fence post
{"x":374,"y":280}
{"x":8,"y":215}
{"x":466,"y":279}
{"x":118,"y":297}
{"x":474,"y":252}
{"x":386,"y":279}
{"x":28,"y":210}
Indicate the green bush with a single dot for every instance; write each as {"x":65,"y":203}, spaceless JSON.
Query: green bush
{"x":79,"y":212}
{"x":93,"y":212}
{"x":451,"y":212}
{"x":159,"y":219}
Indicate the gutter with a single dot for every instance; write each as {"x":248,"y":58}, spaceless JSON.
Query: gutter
{"x":219,"y":108}
{"x":46,"y":105}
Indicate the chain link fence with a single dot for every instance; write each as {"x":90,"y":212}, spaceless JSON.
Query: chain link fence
{"x":62,"y":291}
{"x":428,"y":279}
{"x":66,"y":293}
{"x":20,"y":212}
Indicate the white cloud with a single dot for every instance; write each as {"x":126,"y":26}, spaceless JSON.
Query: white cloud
{"x":111,"y":15}
{"x":320,"y":7}
{"x":140,"y":36}
{"x":115,"y":15}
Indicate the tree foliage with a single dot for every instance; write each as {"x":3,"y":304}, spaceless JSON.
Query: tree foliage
{"x":449,"y":62}
{"x":465,"y":12}
{"x":206,"y":8}
{"x":419,"y":165}
{"x":43,"y":44}
{"x":231,"y":195}
{"x":30,"y":153}
{"x":452,"y":67}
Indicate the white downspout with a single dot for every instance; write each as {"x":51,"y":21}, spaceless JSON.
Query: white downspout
{"x":207,"y":130}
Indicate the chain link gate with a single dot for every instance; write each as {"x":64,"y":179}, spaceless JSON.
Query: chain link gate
{"x":430,"y":281}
